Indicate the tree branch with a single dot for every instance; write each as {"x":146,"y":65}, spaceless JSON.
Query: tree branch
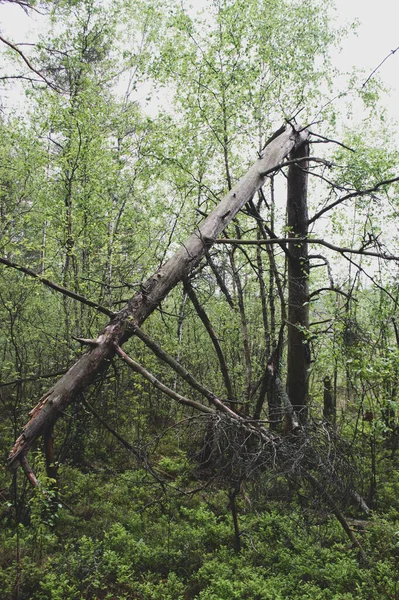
{"x":211,"y":332}
{"x":108,"y":427}
{"x":160,"y":386}
{"x":56,"y":287}
{"x":298,"y":240}
{"x":29,"y":64}
{"x":351,"y":195}
{"x":380,"y":65}
{"x":329,"y":289}
{"x":295,"y":161}
{"x":32,"y":378}
{"x":180,"y":370}
{"x":327,"y":140}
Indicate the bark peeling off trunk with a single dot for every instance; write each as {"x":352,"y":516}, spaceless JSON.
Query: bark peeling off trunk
{"x":97,"y":358}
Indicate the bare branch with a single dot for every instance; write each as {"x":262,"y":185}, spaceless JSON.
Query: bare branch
{"x":108,"y":427}
{"x":56,"y":287}
{"x":29,"y":64}
{"x":211,"y":332}
{"x":32,"y":378}
{"x":160,"y":386}
{"x":351,"y":195}
{"x":329,"y":140}
{"x":329,"y":289}
{"x":295,"y":161}
{"x":298,"y":240}
{"x":380,"y":65}
{"x":178,"y":368}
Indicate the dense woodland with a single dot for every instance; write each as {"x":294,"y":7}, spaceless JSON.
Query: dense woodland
{"x":199,"y":307}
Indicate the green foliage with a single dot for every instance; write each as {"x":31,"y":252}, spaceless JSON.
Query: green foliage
{"x":183,"y":548}
{"x":161,"y":109}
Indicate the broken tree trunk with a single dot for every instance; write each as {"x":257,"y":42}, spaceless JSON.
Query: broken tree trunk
{"x":152,"y":292}
{"x":298,"y":354}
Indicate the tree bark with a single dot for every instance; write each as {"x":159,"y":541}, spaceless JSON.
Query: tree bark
{"x":298,"y":357}
{"x":144,"y":302}
{"x":329,"y":406}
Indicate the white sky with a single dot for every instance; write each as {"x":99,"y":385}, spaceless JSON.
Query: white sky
{"x":378,"y":34}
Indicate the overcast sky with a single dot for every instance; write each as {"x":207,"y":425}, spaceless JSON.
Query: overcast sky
{"x":378,"y":35}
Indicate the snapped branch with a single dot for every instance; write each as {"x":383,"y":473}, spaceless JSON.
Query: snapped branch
{"x":182,"y":371}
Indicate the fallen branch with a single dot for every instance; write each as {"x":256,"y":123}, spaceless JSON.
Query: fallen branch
{"x":182,"y":371}
{"x":112,"y":430}
{"x":160,"y":386}
{"x":338,"y":513}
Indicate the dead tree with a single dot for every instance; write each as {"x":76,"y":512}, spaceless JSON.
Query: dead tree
{"x":298,"y":354}
{"x":152,"y":292}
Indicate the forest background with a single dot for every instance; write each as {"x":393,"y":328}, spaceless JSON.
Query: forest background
{"x":245,"y":444}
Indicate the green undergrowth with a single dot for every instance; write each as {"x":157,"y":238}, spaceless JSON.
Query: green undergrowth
{"x":127,"y":537}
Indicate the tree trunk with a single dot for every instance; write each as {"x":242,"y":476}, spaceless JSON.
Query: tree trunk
{"x":329,"y":406}
{"x":144,"y":302}
{"x":298,"y":358}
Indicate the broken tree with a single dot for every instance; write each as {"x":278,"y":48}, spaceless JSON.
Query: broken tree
{"x":152,"y":292}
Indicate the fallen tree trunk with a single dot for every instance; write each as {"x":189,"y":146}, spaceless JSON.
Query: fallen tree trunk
{"x":152,"y":292}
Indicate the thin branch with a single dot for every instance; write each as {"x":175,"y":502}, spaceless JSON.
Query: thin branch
{"x":26,"y":6}
{"x":56,"y":287}
{"x":338,"y":513}
{"x":373,"y":281}
{"x":351,"y":195}
{"x":380,"y":65}
{"x":325,"y":263}
{"x":25,"y":77}
{"x":295,"y":161}
{"x":211,"y":332}
{"x":300,"y":240}
{"x":105,"y":424}
{"x":31,"y":378}
{"x":180,"y":370}
{"x":329,"y":289}
{"x":29,"y":64}
{"x":219,"y":279}
{"x":160,"y":386}
{"x":329,"y":140}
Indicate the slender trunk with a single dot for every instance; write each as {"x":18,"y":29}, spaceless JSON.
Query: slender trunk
{"x":214,"y":339}
{"x":180,"y":335}
{"x":234,"y":514}
{"x":298,"y":285}
{"x":329,"y":408}
{"x":244,"y":334}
